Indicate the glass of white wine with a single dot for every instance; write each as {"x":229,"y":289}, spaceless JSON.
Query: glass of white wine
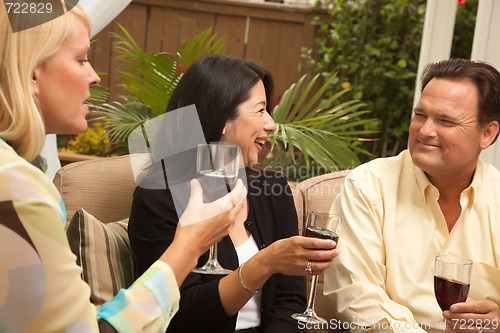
{"x":217,"y":165}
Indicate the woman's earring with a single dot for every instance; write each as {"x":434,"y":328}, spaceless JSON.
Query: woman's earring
{"x":35,"y":94}
{"x":35,"y":89}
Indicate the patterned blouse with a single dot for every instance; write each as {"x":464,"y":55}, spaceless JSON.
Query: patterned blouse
{"x":41,"y":289}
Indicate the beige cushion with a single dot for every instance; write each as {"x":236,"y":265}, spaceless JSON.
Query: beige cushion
{"x":102,"y":187}
{"x":104,"y":253}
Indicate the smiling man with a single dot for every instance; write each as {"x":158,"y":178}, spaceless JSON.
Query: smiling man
{"x":435,"y":198}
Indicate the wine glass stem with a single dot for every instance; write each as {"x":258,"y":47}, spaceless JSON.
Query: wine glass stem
{"x":212,"y":254}
{"x":312,"y":293}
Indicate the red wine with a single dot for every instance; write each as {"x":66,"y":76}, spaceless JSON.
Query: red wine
{"x":322,"y":233}
{"x":216,"y":184}
{"x":319,"y":232}
{"x":449,"y":292}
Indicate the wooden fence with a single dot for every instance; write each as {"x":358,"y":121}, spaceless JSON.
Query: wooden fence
{"x":269,"y":34}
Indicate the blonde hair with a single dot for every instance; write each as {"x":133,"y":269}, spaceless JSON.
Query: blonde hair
{"x":21,"y":123}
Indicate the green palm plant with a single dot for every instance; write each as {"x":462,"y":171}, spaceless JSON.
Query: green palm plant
{"x":318,"y":127}
{"x":151,"y":78}
{"x":306,"y":120}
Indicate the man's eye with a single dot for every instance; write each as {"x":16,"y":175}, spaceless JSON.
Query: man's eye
{"x":447,"y":122}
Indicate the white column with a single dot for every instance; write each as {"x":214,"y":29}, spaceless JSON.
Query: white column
{"x":437,"y":36}
{"x":486,"y":47}
{"x":49,"y":152}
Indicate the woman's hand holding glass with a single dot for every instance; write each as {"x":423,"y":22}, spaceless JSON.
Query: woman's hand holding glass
{"x":291,"y":255}
{"x":319,"y":226}
{"x":288,"y":256}
{"x":207,"y":223}
{"x":217,"y":165}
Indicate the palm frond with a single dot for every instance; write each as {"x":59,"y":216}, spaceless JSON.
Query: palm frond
{"x":201,"y":45}
{"x":151,"y":79}
{"x":98,"y":94}
{"x":122,"y":118}
{"x":320,"y":129}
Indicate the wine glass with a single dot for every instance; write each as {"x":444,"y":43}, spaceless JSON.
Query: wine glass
{"x":451,"y":280}
{"x":217,"y":165}
{"x":326,"y":226}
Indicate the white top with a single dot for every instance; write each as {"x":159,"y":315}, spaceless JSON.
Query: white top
{"x":249,"y":315}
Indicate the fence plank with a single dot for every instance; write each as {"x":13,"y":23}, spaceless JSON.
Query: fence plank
{"x":116,"y":63}
{"x":187,"y":29}
{"x":100,"y":56}
{"x":170,"y":31}
{"x":255,"y":44}
{"x":270,"y":49}
{"x":234,"y":29}
{"x":288,"y":69}
{"x":154,"y":29}
{"x":205,"y":21}
{"x":137,"y":23}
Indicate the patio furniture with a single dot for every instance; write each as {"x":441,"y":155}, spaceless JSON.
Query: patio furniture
{"x":103,"y":188}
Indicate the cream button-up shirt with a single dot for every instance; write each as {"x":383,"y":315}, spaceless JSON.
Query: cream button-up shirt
{"x":392,"y":230}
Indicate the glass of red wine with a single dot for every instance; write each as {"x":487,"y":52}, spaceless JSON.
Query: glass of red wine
{"x":451,"y":280}
{"x":217,"y":165}
{"x":319,"y":225}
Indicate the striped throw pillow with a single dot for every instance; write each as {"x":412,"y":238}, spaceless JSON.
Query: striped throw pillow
{"x":104,"y":253}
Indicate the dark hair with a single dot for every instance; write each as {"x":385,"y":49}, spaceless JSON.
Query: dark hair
{"x":217,"y":84}
{"x":484,"y":76}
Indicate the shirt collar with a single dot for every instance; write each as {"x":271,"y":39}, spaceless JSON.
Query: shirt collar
{"x":477,"y":180}
{"x":424,"y":184}
{"x":426,"y":187}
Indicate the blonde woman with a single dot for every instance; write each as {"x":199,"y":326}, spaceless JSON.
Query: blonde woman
{"x":44,"y":83}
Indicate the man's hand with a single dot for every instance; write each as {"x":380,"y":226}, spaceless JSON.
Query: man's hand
{"x":473,"y":317}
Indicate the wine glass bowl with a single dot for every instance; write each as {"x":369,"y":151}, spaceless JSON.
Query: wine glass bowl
{"x":217,"y":165}
{"x":324,"y":226}
{"x":451,"y":280}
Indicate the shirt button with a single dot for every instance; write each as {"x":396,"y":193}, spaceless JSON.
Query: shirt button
{"x":262,"y":246}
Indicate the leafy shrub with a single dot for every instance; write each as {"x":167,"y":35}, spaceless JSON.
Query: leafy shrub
{"x":374,"y":46}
